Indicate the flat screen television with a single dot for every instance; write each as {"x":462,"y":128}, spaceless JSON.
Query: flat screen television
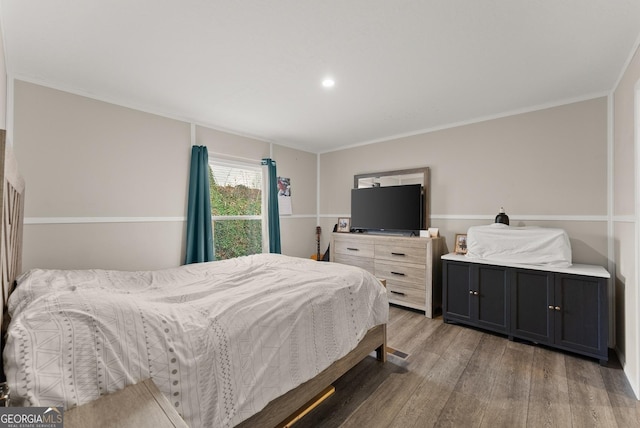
{"x":388,"y":209}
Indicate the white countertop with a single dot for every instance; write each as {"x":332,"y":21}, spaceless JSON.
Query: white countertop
{"x":574,"y":269}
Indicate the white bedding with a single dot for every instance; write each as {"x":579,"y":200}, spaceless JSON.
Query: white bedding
{"x":220,"y":339}
{"x":522,"y":245}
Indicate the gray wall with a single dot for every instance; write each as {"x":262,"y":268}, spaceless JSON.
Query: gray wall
{"x":625,"y":230}
{"x":546,"y":168}
{"x":107,"y":185}
{"x":3,"y":86}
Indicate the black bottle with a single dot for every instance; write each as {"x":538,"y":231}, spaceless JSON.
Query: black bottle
{"x":502,"y":217}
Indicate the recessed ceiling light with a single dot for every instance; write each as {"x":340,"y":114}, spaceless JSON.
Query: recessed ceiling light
{"x":328,"y":83}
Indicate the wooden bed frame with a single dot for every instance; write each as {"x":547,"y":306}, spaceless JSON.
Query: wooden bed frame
{"x":282,"y":407}
{"x":12,"y":197}
{"x":273,"y":414}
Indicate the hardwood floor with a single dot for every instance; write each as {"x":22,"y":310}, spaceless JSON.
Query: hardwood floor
{"x":457,"y":376}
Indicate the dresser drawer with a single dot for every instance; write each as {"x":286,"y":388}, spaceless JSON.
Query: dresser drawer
{"x":355,"y":248}
{"x":401,"y":253}
{"x":407,"y":296}
{"x":402,"y":273}
{"x":362,"y":262}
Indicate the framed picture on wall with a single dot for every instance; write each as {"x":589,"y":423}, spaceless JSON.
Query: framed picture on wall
{"x":344,"y":224}
{"x":461,"y":243}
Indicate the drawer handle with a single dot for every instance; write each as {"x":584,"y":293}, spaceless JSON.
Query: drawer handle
{"x":353,"y":249}
{"x":397,"y":292}
{"x":398,"y":273}
{"x":398,"y":254}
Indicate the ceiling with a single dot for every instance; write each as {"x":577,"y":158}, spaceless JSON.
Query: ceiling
{"x":254,"y":67}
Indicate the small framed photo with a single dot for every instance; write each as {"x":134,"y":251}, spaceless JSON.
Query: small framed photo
{"x":461,"y":243}
{"x":344,"y":224}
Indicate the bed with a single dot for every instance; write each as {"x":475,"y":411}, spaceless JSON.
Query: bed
{"x":241,"y":342}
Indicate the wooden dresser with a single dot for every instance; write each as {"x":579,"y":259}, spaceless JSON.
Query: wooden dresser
{"x":410,"y":265}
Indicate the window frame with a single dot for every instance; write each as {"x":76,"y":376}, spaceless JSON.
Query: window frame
{"x":246,"y":165}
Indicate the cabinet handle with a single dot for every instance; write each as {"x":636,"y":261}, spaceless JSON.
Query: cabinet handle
{"x":398,"y":273}
{"x":557,"y":308}
{"x":470,"y":291}
{"x":475,"y":293}
{"x":352,"y":249}
{"x":551,"y":307}
{"x":397,"y":254}
{"x":397,"y":292}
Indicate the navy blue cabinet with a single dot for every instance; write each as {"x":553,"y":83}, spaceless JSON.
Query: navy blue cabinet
{"x":581,"y":315}
{"x":532,"y":305}
{"x":558,"y":309}
{"x":476,"y":295}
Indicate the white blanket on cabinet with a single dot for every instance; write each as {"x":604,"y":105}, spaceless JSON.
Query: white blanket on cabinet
{"x":521,"y":245}
{"x":220,"y":339}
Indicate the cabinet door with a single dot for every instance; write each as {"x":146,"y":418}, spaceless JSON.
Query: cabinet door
{"x":582,"y":317}
{"x":532,"y":309}
{"x":489,"y":299}
{"x":456,"y":301}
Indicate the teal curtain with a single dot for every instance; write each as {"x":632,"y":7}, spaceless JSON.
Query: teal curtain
{"x":199,"y":234}
{"x":273,"y":214}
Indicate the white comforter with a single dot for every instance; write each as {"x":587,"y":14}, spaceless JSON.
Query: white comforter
{"x":220,"y":339}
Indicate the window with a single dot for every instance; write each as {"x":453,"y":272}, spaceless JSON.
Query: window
{"x":236,"y":208}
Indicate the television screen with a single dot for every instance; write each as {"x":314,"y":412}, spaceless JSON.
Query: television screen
{"x":393,"y":208}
